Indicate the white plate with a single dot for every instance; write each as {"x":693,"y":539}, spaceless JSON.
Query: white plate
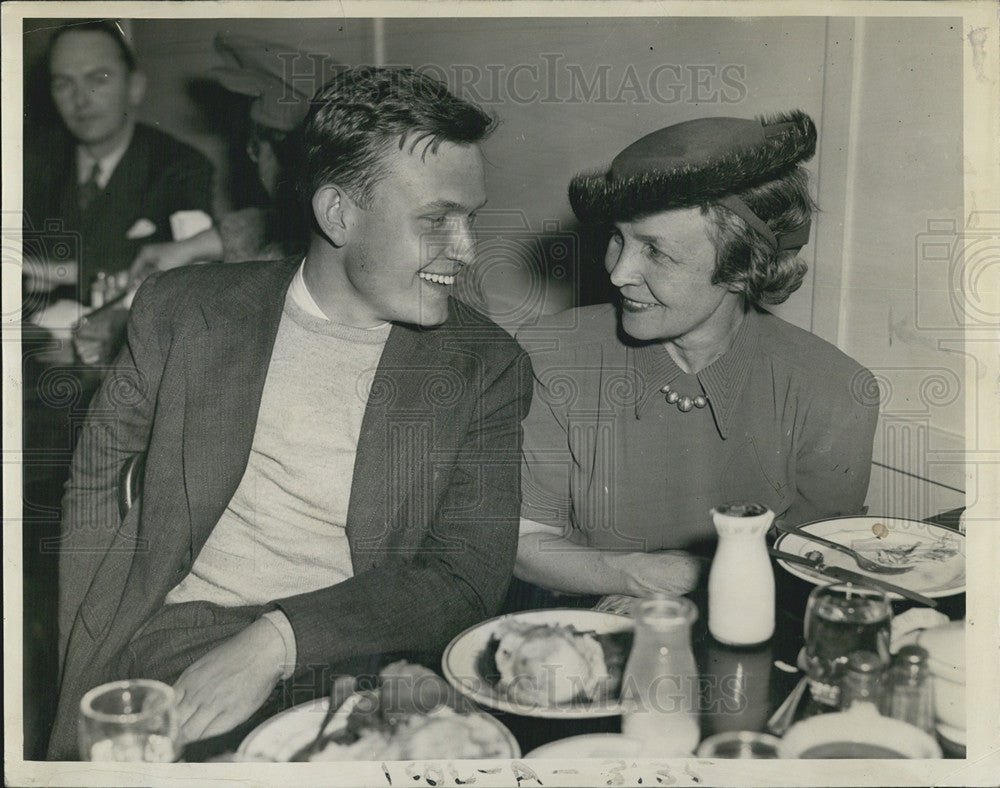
{"x":460,"y":661}
{"x":589,"y":745}
{"x":287,"y":732}
{"x":930,"y":578}
{"x":284,"y":734}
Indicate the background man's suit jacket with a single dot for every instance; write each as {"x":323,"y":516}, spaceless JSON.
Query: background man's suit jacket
{"x":433,"y":511}
{"x":156,"y":177}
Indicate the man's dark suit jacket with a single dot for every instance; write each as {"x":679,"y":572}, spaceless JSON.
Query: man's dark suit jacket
{"x":433,"y":511}
{"x":156,"y":177}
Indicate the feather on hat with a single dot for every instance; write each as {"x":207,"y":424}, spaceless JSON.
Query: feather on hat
{"x":265,"y":70}
{"x":698,"y":162}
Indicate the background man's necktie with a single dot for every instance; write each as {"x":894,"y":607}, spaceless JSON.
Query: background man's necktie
{"x":90,"y":188}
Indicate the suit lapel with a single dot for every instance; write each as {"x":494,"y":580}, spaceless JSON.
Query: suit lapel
{"x":391,"y":446}
{"x":227,"y":366}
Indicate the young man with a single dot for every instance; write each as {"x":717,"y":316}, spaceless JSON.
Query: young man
{"x":331,"y":444}
{"x":117,"y":183}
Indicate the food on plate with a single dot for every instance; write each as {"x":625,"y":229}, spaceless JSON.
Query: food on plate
{"x":546,"y":664}
{"x":905,"y":550}
{"x":880,"y":530}
{"x":412,"y":714}
{"x":443,"y":733}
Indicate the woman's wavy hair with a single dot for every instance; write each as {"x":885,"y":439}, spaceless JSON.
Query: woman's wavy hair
{"x":744,"y":258}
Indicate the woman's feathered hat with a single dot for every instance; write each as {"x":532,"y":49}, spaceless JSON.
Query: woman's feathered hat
{"x":266,"y":70}
{"x":699,"y":162}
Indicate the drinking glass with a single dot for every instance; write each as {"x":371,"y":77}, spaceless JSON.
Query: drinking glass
{"x":842,"y":618}
{"x":131,"y":720}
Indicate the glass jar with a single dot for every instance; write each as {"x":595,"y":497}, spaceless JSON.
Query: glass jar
{"x":660,"y":681}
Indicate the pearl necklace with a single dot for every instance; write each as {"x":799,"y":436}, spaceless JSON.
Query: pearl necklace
{"x":684,"y":403}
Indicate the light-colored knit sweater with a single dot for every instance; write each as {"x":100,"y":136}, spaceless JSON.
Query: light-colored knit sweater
{"x":283,"y":532}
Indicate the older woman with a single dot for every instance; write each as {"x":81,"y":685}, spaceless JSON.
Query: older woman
{"x":693,"y":394}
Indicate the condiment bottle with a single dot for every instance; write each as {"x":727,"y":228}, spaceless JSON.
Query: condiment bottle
{"x":910,"y":694}
{"x":741,"y":580}
{"x":660,"y":681}
{"x":862,"y":685}
{"x":99,"y":290}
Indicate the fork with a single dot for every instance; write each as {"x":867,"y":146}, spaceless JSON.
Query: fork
{"x":862,"y":562}
{"x":343,"y":687}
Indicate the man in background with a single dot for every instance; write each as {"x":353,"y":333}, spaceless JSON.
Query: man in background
{"x":331,"y":443}
{"x":116,"y":183}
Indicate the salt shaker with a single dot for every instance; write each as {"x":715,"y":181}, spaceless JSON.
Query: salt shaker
{"x":862,"y":685}
{"x":910,"y":693}
{"x":660,"y":682}
{"x":741,"y":580}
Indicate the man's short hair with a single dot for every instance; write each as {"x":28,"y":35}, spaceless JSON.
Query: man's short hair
{"x":744,"y":259}
{"x":363,"y":111}
{"x":105,"y":26}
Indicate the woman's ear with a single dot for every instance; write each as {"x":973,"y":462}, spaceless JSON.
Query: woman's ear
{"x":332,"y":208}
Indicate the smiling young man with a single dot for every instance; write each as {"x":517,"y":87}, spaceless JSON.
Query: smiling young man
{"x":116,"y":183}
{"x":331,"y":444}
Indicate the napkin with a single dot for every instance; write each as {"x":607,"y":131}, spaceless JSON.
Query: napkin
{"x":60,"y":318}
{"x":184,"y":224}
{"x":143,"y":228}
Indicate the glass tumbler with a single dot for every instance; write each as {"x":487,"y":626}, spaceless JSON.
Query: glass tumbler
{"x":840,"y":619}
{"x":131,"y":720}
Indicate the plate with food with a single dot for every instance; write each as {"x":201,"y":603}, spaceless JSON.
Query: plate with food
{"x":412,"y":714}
{"x":932,"y":556}
{"x":561,"y":662}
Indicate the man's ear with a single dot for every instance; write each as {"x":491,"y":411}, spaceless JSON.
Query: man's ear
{"x":136,"y":88}
{"x":332,"y":208}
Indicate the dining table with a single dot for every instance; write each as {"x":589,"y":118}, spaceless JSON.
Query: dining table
{"x":739,"y":689}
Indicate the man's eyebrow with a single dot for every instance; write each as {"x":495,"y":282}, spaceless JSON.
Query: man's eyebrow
{"x":449,"y":205}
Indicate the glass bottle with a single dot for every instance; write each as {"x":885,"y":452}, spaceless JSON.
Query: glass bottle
{"x":910,"y":694}
{"x":737,"y":684}
{"x":862,"y":687}
{"x":660,"y":681}
{"x":741,"y":580}
{"x":99,"y":290}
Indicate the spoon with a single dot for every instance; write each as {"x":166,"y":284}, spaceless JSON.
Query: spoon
{"x":862,"y":562}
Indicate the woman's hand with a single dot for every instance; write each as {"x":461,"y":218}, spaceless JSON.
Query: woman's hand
{"x":550,"y":559}
{"x":671,"y":572}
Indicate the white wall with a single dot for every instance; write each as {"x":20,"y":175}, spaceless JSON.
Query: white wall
{"x":903,"y":200}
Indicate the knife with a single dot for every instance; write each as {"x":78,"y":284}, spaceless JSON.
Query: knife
{"x":847,"y":575}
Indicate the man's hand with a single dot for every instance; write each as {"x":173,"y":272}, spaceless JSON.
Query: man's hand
{"x":229,"y":683}
{"x":158,"y":257}
{"x":668,"y":571}
{"x":200,"y":248}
